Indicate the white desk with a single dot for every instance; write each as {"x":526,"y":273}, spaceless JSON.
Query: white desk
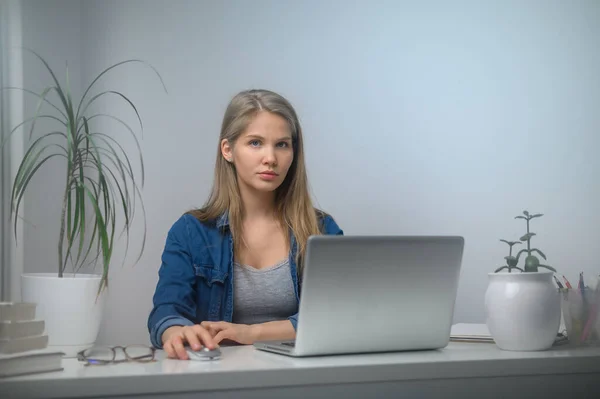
{"x":460,"y":370}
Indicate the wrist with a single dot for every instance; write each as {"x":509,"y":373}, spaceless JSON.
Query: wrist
{"x":256,"y":332}
{"x":168,"y":332}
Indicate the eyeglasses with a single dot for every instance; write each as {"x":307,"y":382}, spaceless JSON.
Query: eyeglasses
{"x":100,"y":355}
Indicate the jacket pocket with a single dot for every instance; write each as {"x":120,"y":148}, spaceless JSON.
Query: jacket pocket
{"x":211,"y":291}
{"x":209,"y":274}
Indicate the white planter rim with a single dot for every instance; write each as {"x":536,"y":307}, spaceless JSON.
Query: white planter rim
{"x":528,"y":274}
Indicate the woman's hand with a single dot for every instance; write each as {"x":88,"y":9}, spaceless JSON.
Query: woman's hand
{"x":241,"y":333}
{"x":174,"y":339}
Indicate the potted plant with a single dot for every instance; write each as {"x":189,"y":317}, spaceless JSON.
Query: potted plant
{"x":523,"y":308}
{"x":99,"y":186}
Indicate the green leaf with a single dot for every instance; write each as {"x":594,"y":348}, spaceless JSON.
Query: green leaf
{"x":103,"y":235}
{"x":526,"y":213}
{"x":539,"y":252}
{"x":58,"y":87}
{"x":137,"y":143}
{"x":112,"y":67}
{"x":124,"y":196}
{"x":120,"y":95}
{"x":527,"y":236}
{"x":24,"y":122}
{"x":121,"y":166}
{"x":28,"y":162}
{"x":81,"y":196}
{"x":24,"y":162}
{"x":69,"y":234}
{"x":548,"y":267}
{"x":500,"y":268}
{"x":511,"y":243}
{"x":537,"y":215}
{"x":37,"y":110}
{"x":520,"y":217}
{"x":26,"y":180}
{"x":72,"y":120}
{"x":39,"y":96}
{"x":92,"y":240}
{"x":524,"y":250}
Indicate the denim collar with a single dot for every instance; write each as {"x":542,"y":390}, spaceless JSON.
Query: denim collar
{"x":223,"y":220}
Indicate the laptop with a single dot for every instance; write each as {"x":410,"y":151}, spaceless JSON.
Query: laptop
{"x":367,"y":294}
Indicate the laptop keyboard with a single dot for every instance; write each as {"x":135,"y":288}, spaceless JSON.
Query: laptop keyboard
{"x":290,"y":343}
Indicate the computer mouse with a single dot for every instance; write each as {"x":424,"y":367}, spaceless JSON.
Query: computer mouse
{"x":203,"y":354}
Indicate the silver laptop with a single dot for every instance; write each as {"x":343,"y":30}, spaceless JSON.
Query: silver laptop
{"x":366,"y":294}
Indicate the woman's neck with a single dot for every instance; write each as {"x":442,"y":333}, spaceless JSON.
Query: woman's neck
{"x":257,"y":205}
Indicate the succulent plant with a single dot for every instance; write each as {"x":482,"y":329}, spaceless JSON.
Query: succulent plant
{"x":511,"y":261}
{"x":532,"y":262}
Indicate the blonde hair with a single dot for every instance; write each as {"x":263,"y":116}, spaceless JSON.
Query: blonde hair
{"x":294,"y":207}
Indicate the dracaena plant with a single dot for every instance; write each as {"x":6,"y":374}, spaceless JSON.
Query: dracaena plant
{"x":99,"y":176}
{"x":532,"y":262}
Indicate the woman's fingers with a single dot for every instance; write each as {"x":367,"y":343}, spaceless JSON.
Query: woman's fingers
{"x":223,"y":334}
{"x":205,"y":336}
{"x":191,"y":335}
{"x":177,"y":343}
{"x":206,"y":325}
{"x":215,"y":326}
{"x":168,"y":347}
{"x":195,"y":336}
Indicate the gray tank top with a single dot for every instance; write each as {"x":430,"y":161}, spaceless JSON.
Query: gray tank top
{"x":262,"y":295}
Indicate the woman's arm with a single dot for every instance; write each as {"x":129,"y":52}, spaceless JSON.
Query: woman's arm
{"x":247,"y":334}
{"x":275,"y":330}
{"x":174,"y":299}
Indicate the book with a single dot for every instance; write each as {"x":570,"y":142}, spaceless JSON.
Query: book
{"x":470,"y":332}
{"x":23,"y":344}
{"x":17,"y":329}
{"x":473,"y":332}
{"x":17,"y":311}
{"x":30,"y":362}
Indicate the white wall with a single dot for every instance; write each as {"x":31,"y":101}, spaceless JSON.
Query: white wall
{"x":430,"y":118}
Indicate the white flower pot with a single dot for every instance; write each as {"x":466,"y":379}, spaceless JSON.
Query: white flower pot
{"x":523,"y":310}
{"x":69,"y":307}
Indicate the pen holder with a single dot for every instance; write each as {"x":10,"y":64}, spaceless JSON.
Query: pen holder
{"x":581,"y":314}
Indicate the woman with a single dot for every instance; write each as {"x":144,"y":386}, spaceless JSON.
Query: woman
{"x":230,"y":269}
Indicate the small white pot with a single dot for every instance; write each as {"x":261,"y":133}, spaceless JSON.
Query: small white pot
{"x":69,"y":307}
{"x":523,"y":310}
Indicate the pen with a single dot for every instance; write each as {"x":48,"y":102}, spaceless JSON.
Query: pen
{"x":581,"y":285}
{"x":558,"y":283}
{"x":567,"y":282}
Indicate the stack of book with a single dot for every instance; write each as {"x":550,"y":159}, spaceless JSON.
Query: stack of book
{"x":471,"y":332}
{"x":23,"y":344}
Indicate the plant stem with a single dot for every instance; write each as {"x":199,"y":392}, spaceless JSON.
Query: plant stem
{"x":62,"y":227}
{"x":529,"y":239}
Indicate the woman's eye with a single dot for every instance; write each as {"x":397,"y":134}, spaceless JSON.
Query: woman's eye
{"x":283,"y":144}
{"x":254,"y":143}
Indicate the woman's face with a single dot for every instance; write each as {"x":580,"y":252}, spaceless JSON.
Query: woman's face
{"x":262,"y":154}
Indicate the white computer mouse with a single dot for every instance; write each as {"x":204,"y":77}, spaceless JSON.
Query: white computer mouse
{"x":203,"y":354}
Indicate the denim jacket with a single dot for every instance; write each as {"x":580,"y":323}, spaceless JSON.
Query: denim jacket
{"x":196,"y":275}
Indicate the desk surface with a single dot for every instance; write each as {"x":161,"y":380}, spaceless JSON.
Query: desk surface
{"x":244,"y":367}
